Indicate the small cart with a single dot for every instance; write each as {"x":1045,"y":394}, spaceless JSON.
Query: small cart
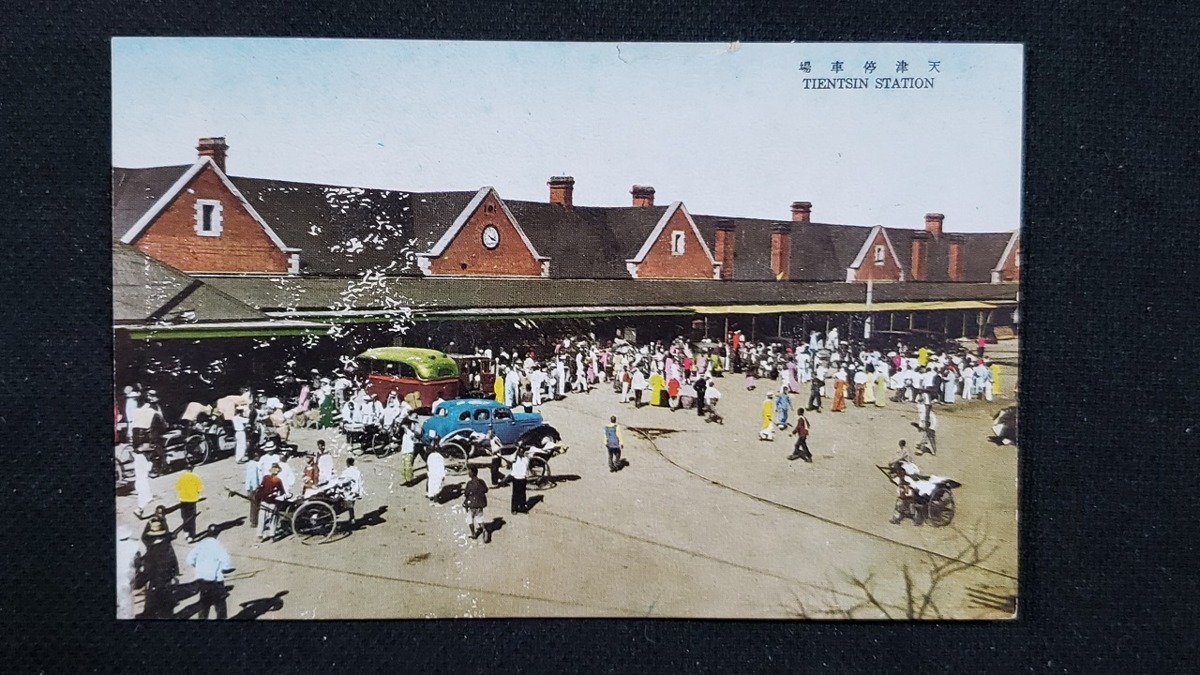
{"x":933,"y":497}
{"x":313,"y":518}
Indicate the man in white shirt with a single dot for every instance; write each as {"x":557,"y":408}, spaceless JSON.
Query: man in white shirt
{"x":324,"y":464}
{"x":353,"y":480}
{"x":520,"y":472}
{"x":131,"y":405}
{"x":560,"y":377}
{"x":537,"y":380}
{"x":144,"y":425}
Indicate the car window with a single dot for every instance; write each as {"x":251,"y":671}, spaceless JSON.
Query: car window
{"x":481,"y":415}
{"x":464,"y":416}
{"x":503,"y":414}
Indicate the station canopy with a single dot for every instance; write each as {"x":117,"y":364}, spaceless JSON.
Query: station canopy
{"x":857,"y":307}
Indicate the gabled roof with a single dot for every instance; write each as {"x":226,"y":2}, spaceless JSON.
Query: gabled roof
{"x":203,"y":162}
{"x":461,"y":220}
{"x":348,"y":231}
{"x":661,"y":225}
{"x":1009,"y":245}
{"x":146,"y":291}
{"x":866,"y":248}
{"x":136,"y":191}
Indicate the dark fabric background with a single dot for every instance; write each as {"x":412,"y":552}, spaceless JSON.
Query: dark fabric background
{"x":1108,"y":478}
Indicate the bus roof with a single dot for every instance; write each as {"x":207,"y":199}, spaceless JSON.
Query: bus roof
{"x":427,"y":362}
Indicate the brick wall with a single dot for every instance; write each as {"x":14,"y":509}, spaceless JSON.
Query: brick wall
{"x":888,"y":271}
{"x":467,"y":255}
{"x":243,"y":245}
{"x":1010,"y":271}
{"x":660,"y":263}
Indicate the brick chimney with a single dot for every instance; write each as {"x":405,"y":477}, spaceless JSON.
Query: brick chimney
{"x":643,"y":195}
{"x":919,"y":267}
{"x":562,"y":190}
{"x":933,"y":224}
{"x":724,"y":247}
{"x":213,"y":147}
{"x":954,"y":265}
{"x":781,"y":250}
{"x":801,"y":212}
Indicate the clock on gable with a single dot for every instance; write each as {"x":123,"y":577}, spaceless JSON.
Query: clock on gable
{"x":491,"y":237}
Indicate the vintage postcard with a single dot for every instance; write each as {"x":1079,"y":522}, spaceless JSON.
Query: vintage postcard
{"x":422,"y":329}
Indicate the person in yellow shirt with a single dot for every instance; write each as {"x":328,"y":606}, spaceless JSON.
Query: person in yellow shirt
{"x":657,"y":382}
{"x":498,"y":388}
{"x":768,"y":412}
{"x":188,"y":488}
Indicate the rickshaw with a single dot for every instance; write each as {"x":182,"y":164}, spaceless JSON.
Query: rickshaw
{"x":541,"y":444}
{"x":405,"y":370}
{"x":933,"y":496}
{"x":313,"y":518}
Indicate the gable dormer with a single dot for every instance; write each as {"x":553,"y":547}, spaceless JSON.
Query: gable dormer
{"x":203,"y":224}
{"x":485,"y":240}
{"x":1008,"y":268}
{"x":674,"y":250}
{"x":876,"y":260}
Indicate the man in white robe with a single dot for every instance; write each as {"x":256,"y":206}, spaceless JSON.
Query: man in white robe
{"x":435,"y":473}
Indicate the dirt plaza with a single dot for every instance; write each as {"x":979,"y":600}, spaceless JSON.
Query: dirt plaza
{"x":707,"y":521}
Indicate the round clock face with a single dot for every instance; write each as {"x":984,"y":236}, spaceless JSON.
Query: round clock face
{"x":491,"y":237}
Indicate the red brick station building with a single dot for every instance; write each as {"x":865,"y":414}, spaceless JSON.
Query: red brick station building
{"x":207,"y":264}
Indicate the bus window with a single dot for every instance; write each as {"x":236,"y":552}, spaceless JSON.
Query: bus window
{"x":481,"y":415}
{"x":464,"y":416}
{"x":503,"y":414}
{"x":406,"y":370}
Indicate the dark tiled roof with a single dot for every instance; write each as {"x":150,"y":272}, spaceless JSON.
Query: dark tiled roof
{"x":823,"y":251}
{"x":136,"y":190}
{"x":339,"y":230}
{"x":751,"y":245}
{"x":820,"y":251}
{"x":578,"y":241}
{"x":980,"y":252}
{"x":147,"y":291}
{"x":296,"y":293}
{"x":344,"y":231}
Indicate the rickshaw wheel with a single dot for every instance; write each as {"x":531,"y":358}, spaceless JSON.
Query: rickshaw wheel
{"x":539,"y":473}
{"x":941,"y":507}
{"x":456,"y":458}
{"x":314,"y":522}
{"x":196,"y":450}
{"x":381,"y":445}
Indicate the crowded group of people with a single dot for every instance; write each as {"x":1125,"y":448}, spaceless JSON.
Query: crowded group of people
{"x":676,"y":374}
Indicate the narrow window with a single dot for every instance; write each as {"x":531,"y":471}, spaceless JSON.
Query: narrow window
{"x":208,"y":217}
{"x":677,"y":243}
{"x":879,"y":255}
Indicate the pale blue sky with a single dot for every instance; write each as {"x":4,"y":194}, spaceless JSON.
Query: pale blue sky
{"x":728,"y":130}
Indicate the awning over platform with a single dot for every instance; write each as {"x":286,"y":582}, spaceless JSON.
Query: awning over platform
{"x":859,"y":307}
{"x":198,"y":331}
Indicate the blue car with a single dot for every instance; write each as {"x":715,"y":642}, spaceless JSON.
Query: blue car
{"x":482,"y":415}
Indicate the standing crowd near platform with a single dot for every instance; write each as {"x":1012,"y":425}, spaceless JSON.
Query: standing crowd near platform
{"x":798,"y":377}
